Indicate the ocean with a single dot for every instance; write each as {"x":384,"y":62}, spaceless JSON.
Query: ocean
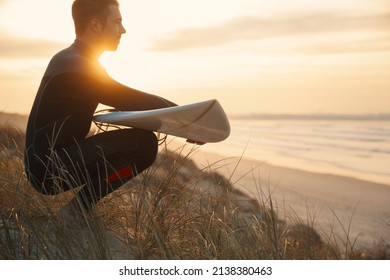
{"x":348,"y":145}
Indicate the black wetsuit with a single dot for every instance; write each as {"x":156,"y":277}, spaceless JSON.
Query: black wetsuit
{"x":59,"y":156}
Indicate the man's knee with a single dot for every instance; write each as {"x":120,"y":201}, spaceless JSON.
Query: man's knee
{"x":139,"y":145}
{"x":149,"y":145}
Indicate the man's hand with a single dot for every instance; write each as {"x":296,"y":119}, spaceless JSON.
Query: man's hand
{"x":195,"y":142}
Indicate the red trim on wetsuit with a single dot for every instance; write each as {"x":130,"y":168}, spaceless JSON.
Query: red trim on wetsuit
{"x":122,"y":173}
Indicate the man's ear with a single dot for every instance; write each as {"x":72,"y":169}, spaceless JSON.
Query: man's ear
{"x":95,"y":25}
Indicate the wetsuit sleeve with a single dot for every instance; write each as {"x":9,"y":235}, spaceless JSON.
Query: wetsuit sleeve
{"x":121,"y":97}
{"x":111,"y":93}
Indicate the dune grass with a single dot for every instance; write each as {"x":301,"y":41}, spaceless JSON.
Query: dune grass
{"x":174,"y":210}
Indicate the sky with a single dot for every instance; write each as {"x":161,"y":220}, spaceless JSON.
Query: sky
{"x":254,"y":56}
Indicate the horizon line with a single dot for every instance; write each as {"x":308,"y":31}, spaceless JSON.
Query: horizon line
{"x":314,"y":116}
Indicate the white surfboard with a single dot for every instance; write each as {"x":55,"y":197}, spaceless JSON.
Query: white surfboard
{"x":204,"y":122}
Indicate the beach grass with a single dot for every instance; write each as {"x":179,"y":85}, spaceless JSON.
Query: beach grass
{"x":174,"y":210}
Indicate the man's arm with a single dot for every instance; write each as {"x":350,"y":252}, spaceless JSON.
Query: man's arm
{"x":122,"y":97}
{"x":111,"y":93}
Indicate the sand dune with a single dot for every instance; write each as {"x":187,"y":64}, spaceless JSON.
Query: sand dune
{"x":13,"y":120}
{"x":344,"y":205}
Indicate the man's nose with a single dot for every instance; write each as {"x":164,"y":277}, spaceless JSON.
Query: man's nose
{"x":123,"y":30}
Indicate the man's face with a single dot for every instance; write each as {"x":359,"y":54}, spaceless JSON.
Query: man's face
{"x":112,"y":30}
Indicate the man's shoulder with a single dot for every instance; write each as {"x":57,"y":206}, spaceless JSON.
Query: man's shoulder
{"x":67,"y":60}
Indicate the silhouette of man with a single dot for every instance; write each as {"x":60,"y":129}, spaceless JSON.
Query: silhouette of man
{"x":59,"y":156}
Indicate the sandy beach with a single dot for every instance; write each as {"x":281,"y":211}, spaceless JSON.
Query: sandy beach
{"x":342,"y":205}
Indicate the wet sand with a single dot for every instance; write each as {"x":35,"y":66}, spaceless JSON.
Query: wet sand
{"x":335,"y":204}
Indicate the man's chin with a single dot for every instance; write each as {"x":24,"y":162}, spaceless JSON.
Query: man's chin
{"x":112,"y":47}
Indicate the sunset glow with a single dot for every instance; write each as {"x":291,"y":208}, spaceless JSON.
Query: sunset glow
{"x":253,"y":56}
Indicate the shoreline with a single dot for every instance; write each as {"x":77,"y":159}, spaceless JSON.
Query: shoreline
{"x":352,"y":148}
{"x":334,"y":203}
{"x":348,"y":207}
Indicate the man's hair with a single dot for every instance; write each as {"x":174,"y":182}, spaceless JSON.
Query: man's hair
{"x":83,"y":11}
